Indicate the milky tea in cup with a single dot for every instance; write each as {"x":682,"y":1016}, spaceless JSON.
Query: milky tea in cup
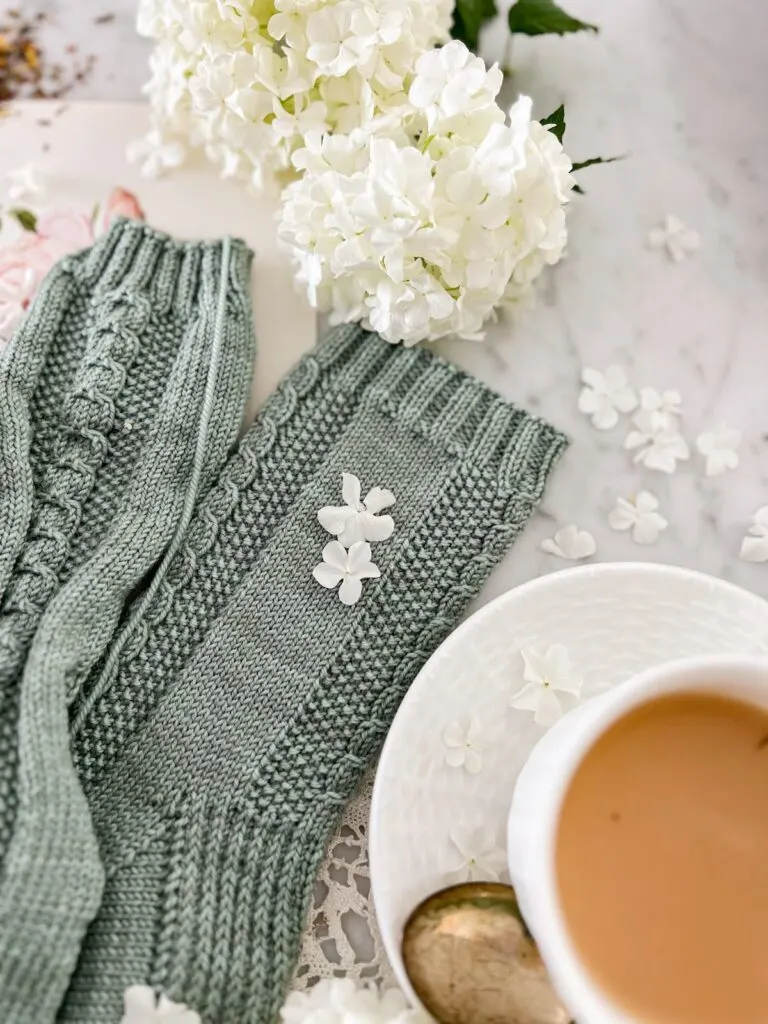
{"x":661,"y":860}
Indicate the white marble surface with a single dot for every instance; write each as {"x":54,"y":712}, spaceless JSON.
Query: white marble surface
{"x":680,"y":87}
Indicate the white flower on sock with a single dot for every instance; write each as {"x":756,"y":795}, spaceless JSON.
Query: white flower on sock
{"x":349,"y":568}
{"x":142,"y":1007}
{"x":358,"y":520}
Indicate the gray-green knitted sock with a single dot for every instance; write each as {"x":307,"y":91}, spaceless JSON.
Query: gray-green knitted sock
{"x":154,"y":405}
{"x":82,"y":383}
{"x":249,"y":699}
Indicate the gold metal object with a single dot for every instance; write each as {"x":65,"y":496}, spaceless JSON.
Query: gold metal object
{"x":472,"y":960}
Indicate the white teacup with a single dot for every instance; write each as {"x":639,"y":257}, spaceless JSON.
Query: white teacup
{"x":541,"y":788}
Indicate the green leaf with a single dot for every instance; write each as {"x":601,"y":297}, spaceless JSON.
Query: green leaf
{"x":556,"y":122}
{"x":581,"y":164}
{"x":469,"y":16}
{"x":544,"y":17}
{"x":26,"y":218}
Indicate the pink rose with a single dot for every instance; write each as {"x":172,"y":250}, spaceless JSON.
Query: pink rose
{"x":22,"y":268}
{"x":121,"y":203}
{"x":58,"y":233}
{"x":24,"y":264}
{"x":65,"y":230}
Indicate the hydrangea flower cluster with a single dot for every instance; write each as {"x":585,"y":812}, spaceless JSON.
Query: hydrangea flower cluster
{"x":247,"y":79}
{"x":415,"y":205}
{"x":424,"y":224}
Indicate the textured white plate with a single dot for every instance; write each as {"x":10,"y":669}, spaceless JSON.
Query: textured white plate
{"x":614,"y":619}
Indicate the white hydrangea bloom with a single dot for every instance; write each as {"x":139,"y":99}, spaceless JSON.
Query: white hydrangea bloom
{"x":246,"y":80}
{"x":419,"y":234}
{"x":452,"y":83}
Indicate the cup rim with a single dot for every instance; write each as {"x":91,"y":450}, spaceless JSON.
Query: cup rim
{"x":579,"y":991}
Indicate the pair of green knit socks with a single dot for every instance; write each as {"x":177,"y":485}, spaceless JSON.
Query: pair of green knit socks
{"x":212,"y":744}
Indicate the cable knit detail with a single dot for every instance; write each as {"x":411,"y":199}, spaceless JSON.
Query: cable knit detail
{"x":149,"y":332}
{"x":239,"y":721}
{"x":87,"y":417}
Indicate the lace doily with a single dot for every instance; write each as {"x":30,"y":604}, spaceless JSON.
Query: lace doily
{"x":341,"y":938}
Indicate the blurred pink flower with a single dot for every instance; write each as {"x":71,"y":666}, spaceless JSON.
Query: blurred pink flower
{"x":121,"y":203}
{"x":24,"y":264}
{"x":18,"y":283}
{"x":65,"y":230}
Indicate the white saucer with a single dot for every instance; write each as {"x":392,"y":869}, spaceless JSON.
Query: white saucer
{"x":614,"y":619}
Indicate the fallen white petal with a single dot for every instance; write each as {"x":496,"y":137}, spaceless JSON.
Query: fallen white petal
{"x":454,"y":757}
{"x":570,"y":543}
{"x":327,"y":576}
{"x":647,"y":528}
{"x":548,"y":710}
{"x":350,"y":590}
{"x":754,"y":549}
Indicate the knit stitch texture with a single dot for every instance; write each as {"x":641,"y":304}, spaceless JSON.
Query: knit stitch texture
{"x":248,"y":700}
{"x":104,"y":390}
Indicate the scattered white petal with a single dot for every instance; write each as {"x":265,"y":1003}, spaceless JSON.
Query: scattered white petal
{"x":464,"y":745}
{"x":605,"y":395}
{"x":341,"y":1001}
{"x":754,"y":547}
{"x":640,"y":516}
{"x":571,"y":543}
{"x":546,"y":673}
{"x":358,"y":520}
{"x":674,"y":237}
{"x":25,"y":184}
{"x":667,"y":403}
{"x":657,"y":442}
{"x":718,"y":447}
{"x":480,"y":858}
{"x":155,"y":155}
{"x":348,"y":568}
{"x":141,"y":1007}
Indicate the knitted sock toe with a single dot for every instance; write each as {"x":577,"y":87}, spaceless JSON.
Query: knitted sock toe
{"x":154,"y":406}
{"x":217,"y":759}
